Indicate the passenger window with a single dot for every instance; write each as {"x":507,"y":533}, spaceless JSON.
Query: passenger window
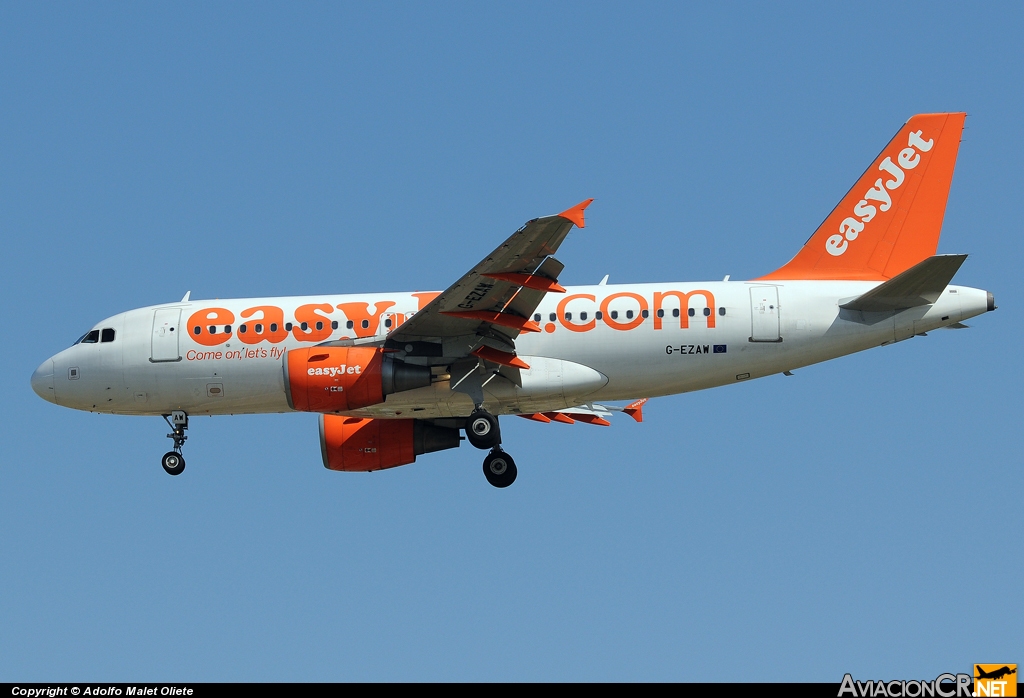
{"x":675,"y":312}
{"x":598,"y":314}
{"x":615,"y":314}
{"x":242,"y":329}
{"x":259,"y":328}
{"x":334,"y":324}
{"x":661,"y":313}
{"x":273,"y":327}
{"x":568,"y":316}
{"x":536,"y":317}
{"x":644,"y":313}
{"x":213,"y":329}
{"x":227,"y":329}
{"x":387,"y":323}
{"x":721,"y":311}
{"x":319,"y":325}
{"x":707,"y":311}
{"x":303,"y":325}
{"x":349,"y":324}
{"x":552,"y":317}
{"x":691,"y":312}
{"x":629,"y":314}
{"x":366,"y":323}
{"x":287,"y":327}
{"x":197,"y":330}
{"x":583,"y":315}
{"x":93,"y":337}
{"x":108,"y":335}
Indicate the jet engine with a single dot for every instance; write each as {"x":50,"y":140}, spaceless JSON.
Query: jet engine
{"x":359,"y":444}
{"x":337,"y":379}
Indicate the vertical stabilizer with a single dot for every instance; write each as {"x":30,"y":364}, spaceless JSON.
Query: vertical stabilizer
{"x":891,"y":219}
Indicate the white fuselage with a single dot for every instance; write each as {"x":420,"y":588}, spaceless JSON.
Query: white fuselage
{"x":721,"y":332}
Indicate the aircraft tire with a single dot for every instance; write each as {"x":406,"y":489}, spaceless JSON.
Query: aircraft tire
{"x":173,"y":463}
{"x":499,"y":469}
{"x":482,"y":430}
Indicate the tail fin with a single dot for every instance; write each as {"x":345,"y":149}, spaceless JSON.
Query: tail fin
{"x":890,"y":220}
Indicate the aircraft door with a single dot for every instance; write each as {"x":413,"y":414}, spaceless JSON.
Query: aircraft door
{"x":166,"y":329}
{"x":764,"y":314}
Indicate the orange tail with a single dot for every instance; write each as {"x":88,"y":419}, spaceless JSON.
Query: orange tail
{"x":892,"y":217}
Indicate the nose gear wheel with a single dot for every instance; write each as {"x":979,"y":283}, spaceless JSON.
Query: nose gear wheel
{"x":173,"y":462}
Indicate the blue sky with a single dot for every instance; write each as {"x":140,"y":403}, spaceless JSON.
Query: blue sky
{"x":856,"y":517}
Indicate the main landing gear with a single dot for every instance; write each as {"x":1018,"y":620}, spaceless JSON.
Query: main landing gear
{"x":173,"y":461}
{"x":499,"y":468}
{"x":483,"y":432}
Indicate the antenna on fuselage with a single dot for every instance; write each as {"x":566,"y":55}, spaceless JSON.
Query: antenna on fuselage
{"x":185,"y":297}
{"x":604,"y":281}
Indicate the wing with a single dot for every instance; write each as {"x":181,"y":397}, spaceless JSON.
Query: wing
{"x":482,"y":313}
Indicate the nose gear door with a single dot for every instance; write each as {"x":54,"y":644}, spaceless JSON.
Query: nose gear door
{"x":165,"y":335}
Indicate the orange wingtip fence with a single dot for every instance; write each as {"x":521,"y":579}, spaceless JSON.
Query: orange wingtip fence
{"x":575,"y":214}
{"x":636,"y":409}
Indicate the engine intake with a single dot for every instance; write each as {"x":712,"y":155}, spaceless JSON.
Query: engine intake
{"x":338,"y":379}
{"x":359,"y":444}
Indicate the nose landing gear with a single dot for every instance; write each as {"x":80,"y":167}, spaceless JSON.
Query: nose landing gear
{"x":173,"y":462}
{"x":482,"y":432}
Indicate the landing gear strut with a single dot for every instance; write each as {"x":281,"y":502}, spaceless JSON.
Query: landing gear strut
{"x":482,"y":431}
{"x":173,"y":462}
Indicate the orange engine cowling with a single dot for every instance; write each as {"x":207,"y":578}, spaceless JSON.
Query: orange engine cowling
{"x":359,"y":444}
{"x":338,"y":379}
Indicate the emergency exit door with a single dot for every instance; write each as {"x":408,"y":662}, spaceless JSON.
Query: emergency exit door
{"x":764,"y":314}
{"x":165,"y":335}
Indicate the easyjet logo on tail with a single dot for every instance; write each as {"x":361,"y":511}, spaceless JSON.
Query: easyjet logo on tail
{"x":865,"y":210}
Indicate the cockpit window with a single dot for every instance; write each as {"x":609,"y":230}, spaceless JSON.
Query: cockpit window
{"x":90,"y":338}
{"x":107,"y":335}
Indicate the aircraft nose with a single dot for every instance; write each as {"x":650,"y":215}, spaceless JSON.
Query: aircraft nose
{"x":42,"y":381}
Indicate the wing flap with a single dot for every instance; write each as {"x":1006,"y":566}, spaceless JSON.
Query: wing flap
{"x":591,"y":413}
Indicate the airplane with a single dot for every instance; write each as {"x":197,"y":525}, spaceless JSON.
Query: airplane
{"x":397,"y":375}
{"x":995,"y":674}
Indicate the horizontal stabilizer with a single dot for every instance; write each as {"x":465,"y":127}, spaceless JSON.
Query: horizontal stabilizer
{"x":922,"y":284}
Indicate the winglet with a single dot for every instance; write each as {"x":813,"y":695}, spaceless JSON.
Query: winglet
{"x":575,"y":214}
{"x":636,"y":409}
